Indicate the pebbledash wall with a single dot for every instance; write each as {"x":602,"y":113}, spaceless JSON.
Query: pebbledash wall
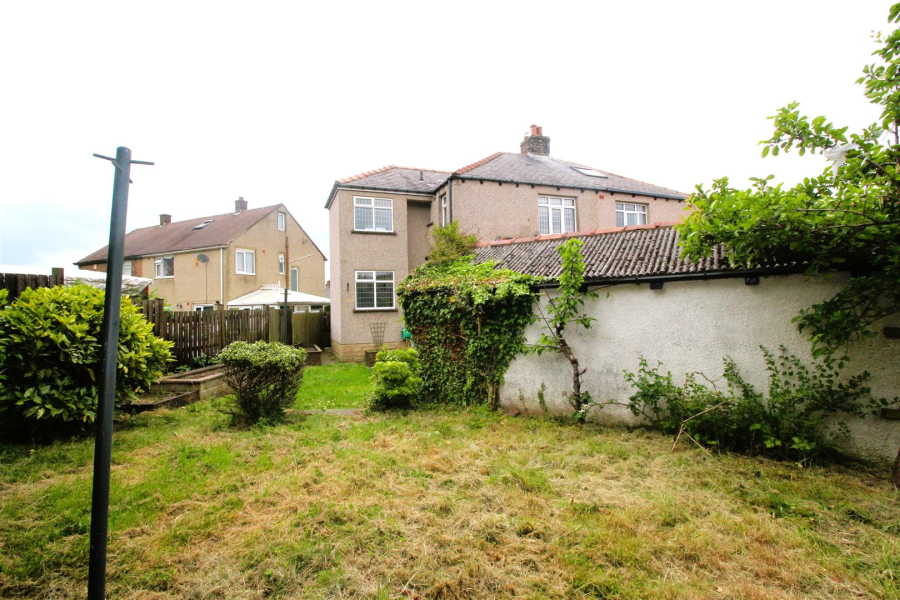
{"x":690,"y":326}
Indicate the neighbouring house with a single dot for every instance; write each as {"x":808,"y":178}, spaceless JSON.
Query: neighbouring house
{"x":200,"y":263}
{"x":380,"y":223}
{"x":659,"y":304}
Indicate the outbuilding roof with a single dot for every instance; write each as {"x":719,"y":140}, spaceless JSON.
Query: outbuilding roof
{"x":643,"y":251}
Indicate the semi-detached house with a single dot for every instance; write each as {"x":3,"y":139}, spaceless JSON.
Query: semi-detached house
{"x":380,"y":223}
{"x":199,"y":263}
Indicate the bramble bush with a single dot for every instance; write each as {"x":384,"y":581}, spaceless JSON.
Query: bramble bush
{"x":50,"y":358}
{"x":397,"y":381}
{"x":265,"y":378}
{"x":789,"y":422}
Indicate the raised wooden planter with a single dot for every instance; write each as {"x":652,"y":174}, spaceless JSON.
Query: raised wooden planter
{"x":207,"y":381}
{"x":171,"y":401}
{"x":313,"y":355}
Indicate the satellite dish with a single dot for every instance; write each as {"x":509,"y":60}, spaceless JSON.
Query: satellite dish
{"x":202,"y":258}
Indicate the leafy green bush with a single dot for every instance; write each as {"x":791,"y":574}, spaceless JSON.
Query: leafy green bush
{"x":449,"y":244}
{"x":404,"y":355}
{"x":791,"y":421}
{"x":265,"y":378}
{"x":396,"y":386}
{"x":50,"y":358}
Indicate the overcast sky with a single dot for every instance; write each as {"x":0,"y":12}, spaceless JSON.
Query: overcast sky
{"x":274,"y":101}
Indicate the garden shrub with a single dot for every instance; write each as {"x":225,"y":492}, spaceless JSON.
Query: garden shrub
{"x":397,"y":381}
{"x":467,"y":322}
{"x":50,"y":360}
{"x":265,"y":378}
{"x":791,"y":421}
{"x":449,"y":244}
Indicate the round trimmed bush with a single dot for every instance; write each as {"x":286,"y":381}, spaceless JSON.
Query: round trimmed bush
{"x":265,"y":378}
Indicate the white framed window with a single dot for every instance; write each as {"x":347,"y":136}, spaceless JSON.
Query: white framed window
{"x":281,"y":221}
{"x":245,"y":262}
{"x":373,"y":214}
{"x":591,"y":172}
{"x":630,"y":214}
{"x":203,"y":307}
{"x":374,"y":290}
{"x":165,"y":267}
{"x":556,"y":215}
{"x":126,"y":269}
{"x":281,"y":264}
{"x":295,"y":279}
{"x":445,"y":211}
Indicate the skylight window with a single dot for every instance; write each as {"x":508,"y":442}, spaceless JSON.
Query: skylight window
{"x":590,"y":172}
{"x":203,"y":224}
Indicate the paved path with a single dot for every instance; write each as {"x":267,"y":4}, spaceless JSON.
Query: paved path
{"x":356,"y":413}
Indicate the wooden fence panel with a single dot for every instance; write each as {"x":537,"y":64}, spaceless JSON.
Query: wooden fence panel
{"x":309,"y":328}
{"x":16,"y":283}
{"x":197,"y":333}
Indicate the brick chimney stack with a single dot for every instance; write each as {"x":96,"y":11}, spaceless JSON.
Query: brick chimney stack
{"x":164,"y":220}
{"x":537,"y":143}
{"x":240,"y":205}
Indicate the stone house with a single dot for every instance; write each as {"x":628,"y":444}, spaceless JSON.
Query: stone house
{"x":380,"y":222}
{"x":200,"y":263}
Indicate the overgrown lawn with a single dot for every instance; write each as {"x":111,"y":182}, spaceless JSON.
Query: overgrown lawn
{"x":341,"y":385}
{"x":438,"y":505}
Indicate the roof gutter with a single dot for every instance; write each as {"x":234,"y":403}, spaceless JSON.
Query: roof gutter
{"x":731,"y":274}
{"x":339,"y":186}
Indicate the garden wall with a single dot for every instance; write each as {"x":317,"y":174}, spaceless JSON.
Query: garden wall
{"x":690,"y":326}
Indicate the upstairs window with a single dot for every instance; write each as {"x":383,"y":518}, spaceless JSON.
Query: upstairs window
{"x":245,"y":262}
{"x":556,"y":215}
{"x":295,"y":279}
{"x":445,"y":211}
{"x":630,"y":214}
{"x":203,"y":224}
{"x":280,"y":221}
{"x":126,"y":268}
{"x":373,"y":214}
{"x":281,"y":264}
{"x":165,"y":266}
{"x":374,"y":289}
{"x":591,"y":172}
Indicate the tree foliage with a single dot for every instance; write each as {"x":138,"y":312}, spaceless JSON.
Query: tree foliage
{"x":847,"y":218}
{"x":50,"y":360}
{"x":467,"y":322}
{"x":448,"y":244}
{"x":565,"y":310}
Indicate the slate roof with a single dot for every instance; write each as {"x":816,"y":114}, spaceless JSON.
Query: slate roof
{"x":506,"y":167}
{"x":633,"y":252}
{"x":521,"y":168}
{"x":180,"y":236}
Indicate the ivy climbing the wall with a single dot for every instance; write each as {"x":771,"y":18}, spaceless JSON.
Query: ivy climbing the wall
{"x":467,"y":322}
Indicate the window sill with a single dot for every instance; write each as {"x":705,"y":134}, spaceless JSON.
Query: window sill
{"x":365,"y":231}
{"x":374,"y":310}
{"x":242,"y":273}
{"x":165,"y":277}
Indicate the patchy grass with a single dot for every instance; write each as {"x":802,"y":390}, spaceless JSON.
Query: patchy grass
{"x":438,"y":505}
{"x":342,"y":385}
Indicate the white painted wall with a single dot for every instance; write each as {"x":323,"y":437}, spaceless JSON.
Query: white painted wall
{"x":690,"y":326}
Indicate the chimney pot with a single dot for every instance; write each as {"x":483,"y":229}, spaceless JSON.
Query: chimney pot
{"x":240,"y":205}
{"x":164,"y":220}
{"x":537,"y":143}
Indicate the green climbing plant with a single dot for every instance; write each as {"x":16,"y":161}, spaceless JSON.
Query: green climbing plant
{"x":467,"y":322}
{"x":565,"y":311}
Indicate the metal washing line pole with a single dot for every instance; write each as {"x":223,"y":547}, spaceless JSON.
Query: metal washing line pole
{"x":109,"y":339}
